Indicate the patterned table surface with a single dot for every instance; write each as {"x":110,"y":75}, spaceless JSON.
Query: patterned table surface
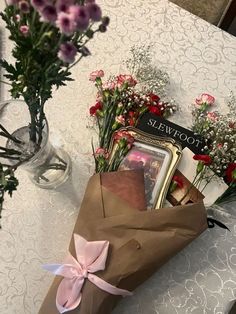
{"x":37,"y":224}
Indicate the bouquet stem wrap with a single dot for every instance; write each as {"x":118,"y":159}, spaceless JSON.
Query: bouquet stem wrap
{"x":140,"y":241}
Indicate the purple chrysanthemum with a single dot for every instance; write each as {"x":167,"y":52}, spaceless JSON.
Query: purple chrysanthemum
{"x":67,"y":52}
{"x":24,"y":6}
{"x":80,"y":16}
{"x":12,"y":2}
{"x":66,"y":23}
{"x":94,"y":11}
{"x":63,"y":5}
{"x":38,"y":4}
{"x":49,"y":13}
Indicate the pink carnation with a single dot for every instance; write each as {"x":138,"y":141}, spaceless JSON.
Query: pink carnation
{"x":123,"y":78}
{"x":109,"y":85}
{"x":205,"y":99}
{"x":101,"y":152}
{"x":120,"y":119}
{"x":123,"y":136}
{"x":213,"y":116}
{"x":24,"y":29}
{"x":93,"y":75}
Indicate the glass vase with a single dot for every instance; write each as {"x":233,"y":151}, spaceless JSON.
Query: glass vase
{"x":48,"y":167}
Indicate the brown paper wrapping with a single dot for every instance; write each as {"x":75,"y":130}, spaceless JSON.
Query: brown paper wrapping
{"x":140,"y":241}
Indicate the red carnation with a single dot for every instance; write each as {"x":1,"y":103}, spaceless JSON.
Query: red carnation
{"x":131,"y":113}
{"x":153,"y":97}
{"x":231,"y":173}
{"x":155,"y":110}
{"x":93,"y":110}
{"x":179,"y":181}
{"x":131,"y":122}
{"x":205,"y":159}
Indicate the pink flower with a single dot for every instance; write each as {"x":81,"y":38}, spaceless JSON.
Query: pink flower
{"x":67,"y":52}
{"x":120,"y":119}
{"x":205,"y":99}
{"x":17,"y":17}
{"x":101,"y":152}
{"x":24,"y":29}
{"x":213,"y":116}
{"x":80,"y":16}
{"x":123,"y":78}
{"x":49,"y":14}
{"x":94,"y":11}
{"x":93,"y":75}
{"x":123,"y":138}
{"x":66,"y":23}
{"x":109,"y":85}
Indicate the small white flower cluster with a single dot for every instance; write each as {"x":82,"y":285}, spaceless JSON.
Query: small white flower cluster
{"x":219,"y":132}
{"x":150,"y":78}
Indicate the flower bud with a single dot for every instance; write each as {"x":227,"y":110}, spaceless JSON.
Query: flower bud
{"x":105,"y":20}
{"x":102,"y":28}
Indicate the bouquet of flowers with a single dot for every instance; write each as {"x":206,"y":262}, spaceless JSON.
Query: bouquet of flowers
{"x":50,"y":37}
{"x":218,"y":158}
{"x":122,"y":100}
{"x":137,"y":241}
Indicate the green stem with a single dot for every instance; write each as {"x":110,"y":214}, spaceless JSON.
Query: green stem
{"x":33,"y":128}
{"x":6,"y":134}
{"x":41,"y":119}
{"x":207,"y":182}
{"x":9,"y":157}
{"x":73,"y":64}
{"x":1,"y":81}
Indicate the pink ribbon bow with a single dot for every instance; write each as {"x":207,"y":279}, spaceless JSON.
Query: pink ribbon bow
{"x":91,"y":257}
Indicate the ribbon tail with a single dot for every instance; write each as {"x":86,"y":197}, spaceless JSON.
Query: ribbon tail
{"x":69,"y":294}
{"x":102,"y":284}
{"x":212,"y":222}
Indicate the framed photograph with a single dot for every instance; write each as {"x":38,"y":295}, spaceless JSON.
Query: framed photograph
{"x":158,"y":157}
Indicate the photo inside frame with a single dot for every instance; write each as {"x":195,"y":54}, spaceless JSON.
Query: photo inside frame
{"x":154,"y":161}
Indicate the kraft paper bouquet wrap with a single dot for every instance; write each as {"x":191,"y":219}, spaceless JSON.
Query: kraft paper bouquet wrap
{"x":140,"y":241}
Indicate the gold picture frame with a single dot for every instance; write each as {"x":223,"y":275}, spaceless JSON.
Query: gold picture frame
{"x":158,"y":156}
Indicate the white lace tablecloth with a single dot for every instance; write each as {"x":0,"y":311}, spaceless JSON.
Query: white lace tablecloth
{"x":37,"y":224}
